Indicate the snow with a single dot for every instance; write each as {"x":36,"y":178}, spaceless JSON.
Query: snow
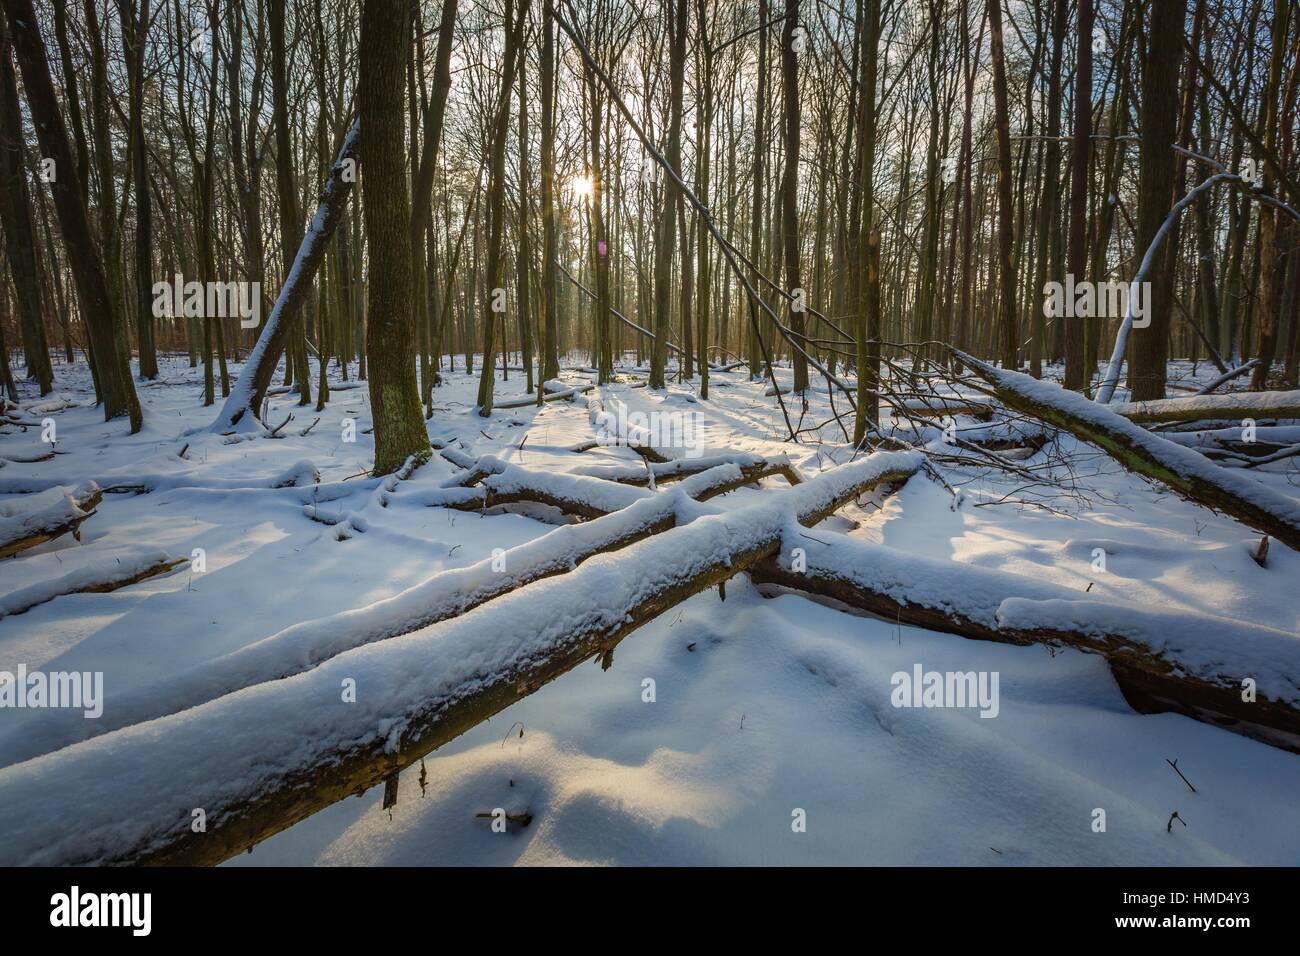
{"x":242,"y":395}
{"x":1182,"y":461}
{"x":763,"y":705}
{"x":1239,"y":405}
{"x":1213,"y":648}
{"x":126,"y":564}
{"x":33,"y":518}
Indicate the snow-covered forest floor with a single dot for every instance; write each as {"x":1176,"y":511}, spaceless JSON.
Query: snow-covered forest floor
{"x":763,"y":704}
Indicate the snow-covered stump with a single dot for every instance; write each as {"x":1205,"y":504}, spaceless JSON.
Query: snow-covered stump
{"x":258,"y":761}
{"x":27,"y":529}
{"x":1181,"y":469}
{"x":1163,"y":659}
{"x":1242,"y":405}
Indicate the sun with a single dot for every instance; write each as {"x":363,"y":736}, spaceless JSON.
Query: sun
{"x":582,"y":187}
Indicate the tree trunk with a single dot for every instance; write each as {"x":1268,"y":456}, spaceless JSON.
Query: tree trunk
{"x":494,"y":288}
{"x":550,"y":359}
{"x":1159,"y":127}
{"x":103,"y":319}
{"x":390,"y":337}
{"x":793,"y":35}
{"x":675,"y":11}
{"x":1006,"y":264}
{"x":19,"y":234}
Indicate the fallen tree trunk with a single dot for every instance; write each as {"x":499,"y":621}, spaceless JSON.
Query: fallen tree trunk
{"x":1228,"y":376}
{"x":27,"y":529}
{"x":1163,"y":659}
{"x":1253,"y":405}
{"x":91,"y":580}
{"x":260,"y":760}
{"x":1181,"y":469}
{"x":682,"y":467}
{"x":302,"y":474}
{"x":489,"y":484}
{"x":568,"y":393}
{"x":444,"y":596}
{"x":936,"y":407}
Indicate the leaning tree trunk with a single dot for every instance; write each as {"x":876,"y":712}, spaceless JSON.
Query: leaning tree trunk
{"x":246,"y":396}
{"x":390,"y":334}
{"x":98,"y":308}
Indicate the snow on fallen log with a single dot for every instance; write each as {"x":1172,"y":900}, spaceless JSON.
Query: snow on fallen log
{"x":1237,"y":406}
{"x":565,"y":393}
{"x":300,"y":474}
{"x":498,"y":484}
{"x":681,"y":467}
{"x":588,"y":495}
{"x":24,"y":529}
{"x":1268,"y":438}
{"x":939,"y":406}
{"x":125,"y":569}
{"x":614,"y":429}
{"x":259,"y":760}
{"x":446,"y":595}
{"x":1227,"y":376}
{"x":1183,"y":470}
{"x":1164,"y":658}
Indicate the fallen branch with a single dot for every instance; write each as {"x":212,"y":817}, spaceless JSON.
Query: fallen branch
{"x":91,"y":580}
{"x":269,"y":756}
{"x":1253,"y":405}
{"x":1181,"y":469}
{"x":757,"y":465}
{"x":1228,"y":376}
{"x":27,"y":529}
{"x":1163,"y":659}
{"x":567,"y":393}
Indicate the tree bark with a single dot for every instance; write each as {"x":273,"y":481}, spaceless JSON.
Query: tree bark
{"x":1159,"y":127}
{"x":390,"y":337}
{"x":19,"y":234}
{"x":103,"y":319}
{"x":1007,"y":322}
